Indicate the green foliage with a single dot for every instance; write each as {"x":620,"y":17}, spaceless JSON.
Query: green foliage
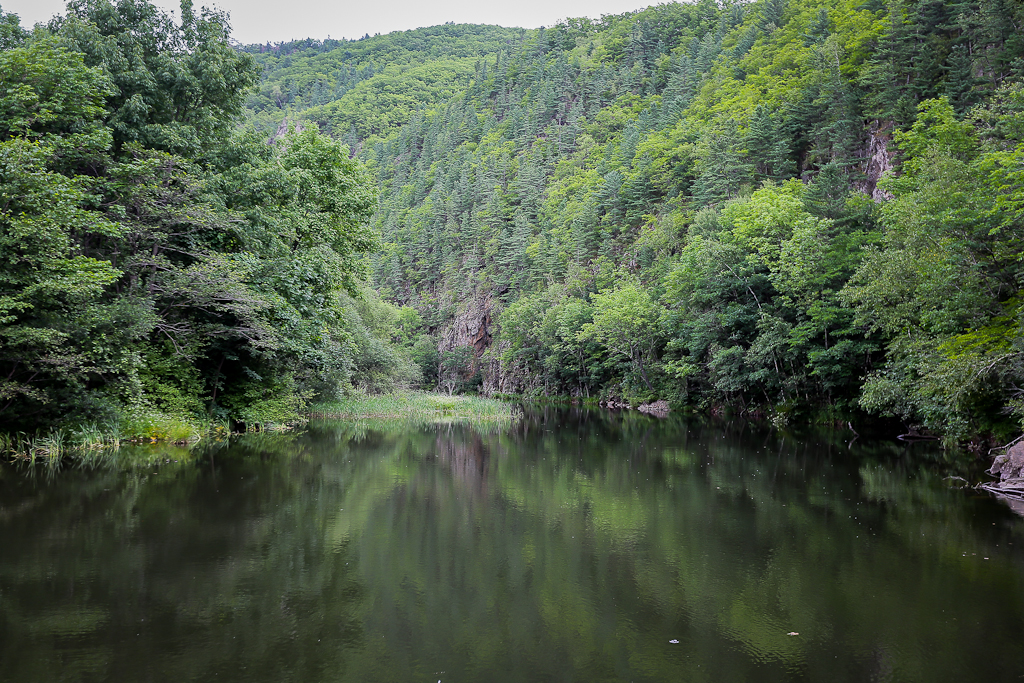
{"x":626,"y":191}
{"x":11,"y":32}
{"x":160,"y":269}
{"x":358,"y":88}
{"x":404,"y":409}
{"x":623,"y":194}
{"x":178,"y":87}
{"x":50,"y":291}
{"x":625,"y":323}
{"x":382,"y":361}
{"x":140,"y":422}
{"x":944,"y":288}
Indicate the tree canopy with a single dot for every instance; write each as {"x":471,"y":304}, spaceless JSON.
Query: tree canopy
{"x":821,"y":201}
{"x":780,"y":207}
{"x":160,"y":266}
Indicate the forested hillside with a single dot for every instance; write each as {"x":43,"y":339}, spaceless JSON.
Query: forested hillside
{"x":787,"y":208}
{"x":781,"y":207}
{"x":353,"y":89}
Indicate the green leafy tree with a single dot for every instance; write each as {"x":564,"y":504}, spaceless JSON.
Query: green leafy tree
{"x":625,"y":322}
{"x":50,"y":291}
{"x":944,"y":287}
{"x":157,"y":267}
{"x":178,"y":87}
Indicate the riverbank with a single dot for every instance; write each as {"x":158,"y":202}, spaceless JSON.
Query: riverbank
{"x":406,"y":408}
{"x":417,"y":407}
{"x":87,"y":441}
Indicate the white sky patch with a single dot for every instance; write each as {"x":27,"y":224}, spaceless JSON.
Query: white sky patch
{"x":260,"y":21}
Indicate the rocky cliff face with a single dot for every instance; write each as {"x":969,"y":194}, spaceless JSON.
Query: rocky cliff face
{"x":471,"y":327}
{"x":475,"y":327}
{"x":510,"y":380}
{"x":879,"y":154}
{"x":282,"y":129}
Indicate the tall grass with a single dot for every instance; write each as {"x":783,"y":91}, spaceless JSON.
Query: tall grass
{"x":95,"y":443}
{"x":96,"y":437}
{"x":87,"y":441}
{"x":49,"y":447}
{"x":418,"y":408}
{"x":146,"y":424}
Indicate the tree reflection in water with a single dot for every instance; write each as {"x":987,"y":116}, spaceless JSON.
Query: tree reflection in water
{"x":575,"y":546}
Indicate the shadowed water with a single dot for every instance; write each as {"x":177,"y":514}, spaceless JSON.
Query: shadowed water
{"x":578,"y":546}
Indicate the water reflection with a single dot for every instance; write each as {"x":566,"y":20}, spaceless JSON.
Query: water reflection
{"x":575,"y":546}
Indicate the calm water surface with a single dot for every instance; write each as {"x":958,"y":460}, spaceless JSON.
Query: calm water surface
{"x":578,"y":546}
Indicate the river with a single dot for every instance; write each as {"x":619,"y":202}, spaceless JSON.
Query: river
{"x":576,"y":546}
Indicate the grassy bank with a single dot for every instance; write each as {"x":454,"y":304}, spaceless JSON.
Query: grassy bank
{"x":418,"y":408}
{"x":84,"y":442}
{"x":374,"y":412}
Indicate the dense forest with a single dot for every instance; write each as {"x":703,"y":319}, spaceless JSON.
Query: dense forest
{"x":782,"y":208}
{"x":162,"y":269}
{"x":354,"y":89}
{"x":796,"y":209}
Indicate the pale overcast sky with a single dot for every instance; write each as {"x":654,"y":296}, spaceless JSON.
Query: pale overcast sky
{"x":257,"y":21}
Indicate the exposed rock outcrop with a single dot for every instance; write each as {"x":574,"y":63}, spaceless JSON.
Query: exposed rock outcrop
{"x":879,"y":157}
{"x":1010,"y":465}
{"x":471,"y":327}
{"x":498,"y":380}
{"x":614,"y":404}
{"x":282,"y":129}
{"x":475,"y":326}
{"x":1010,"y":468}
{"x":658,"y":408}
